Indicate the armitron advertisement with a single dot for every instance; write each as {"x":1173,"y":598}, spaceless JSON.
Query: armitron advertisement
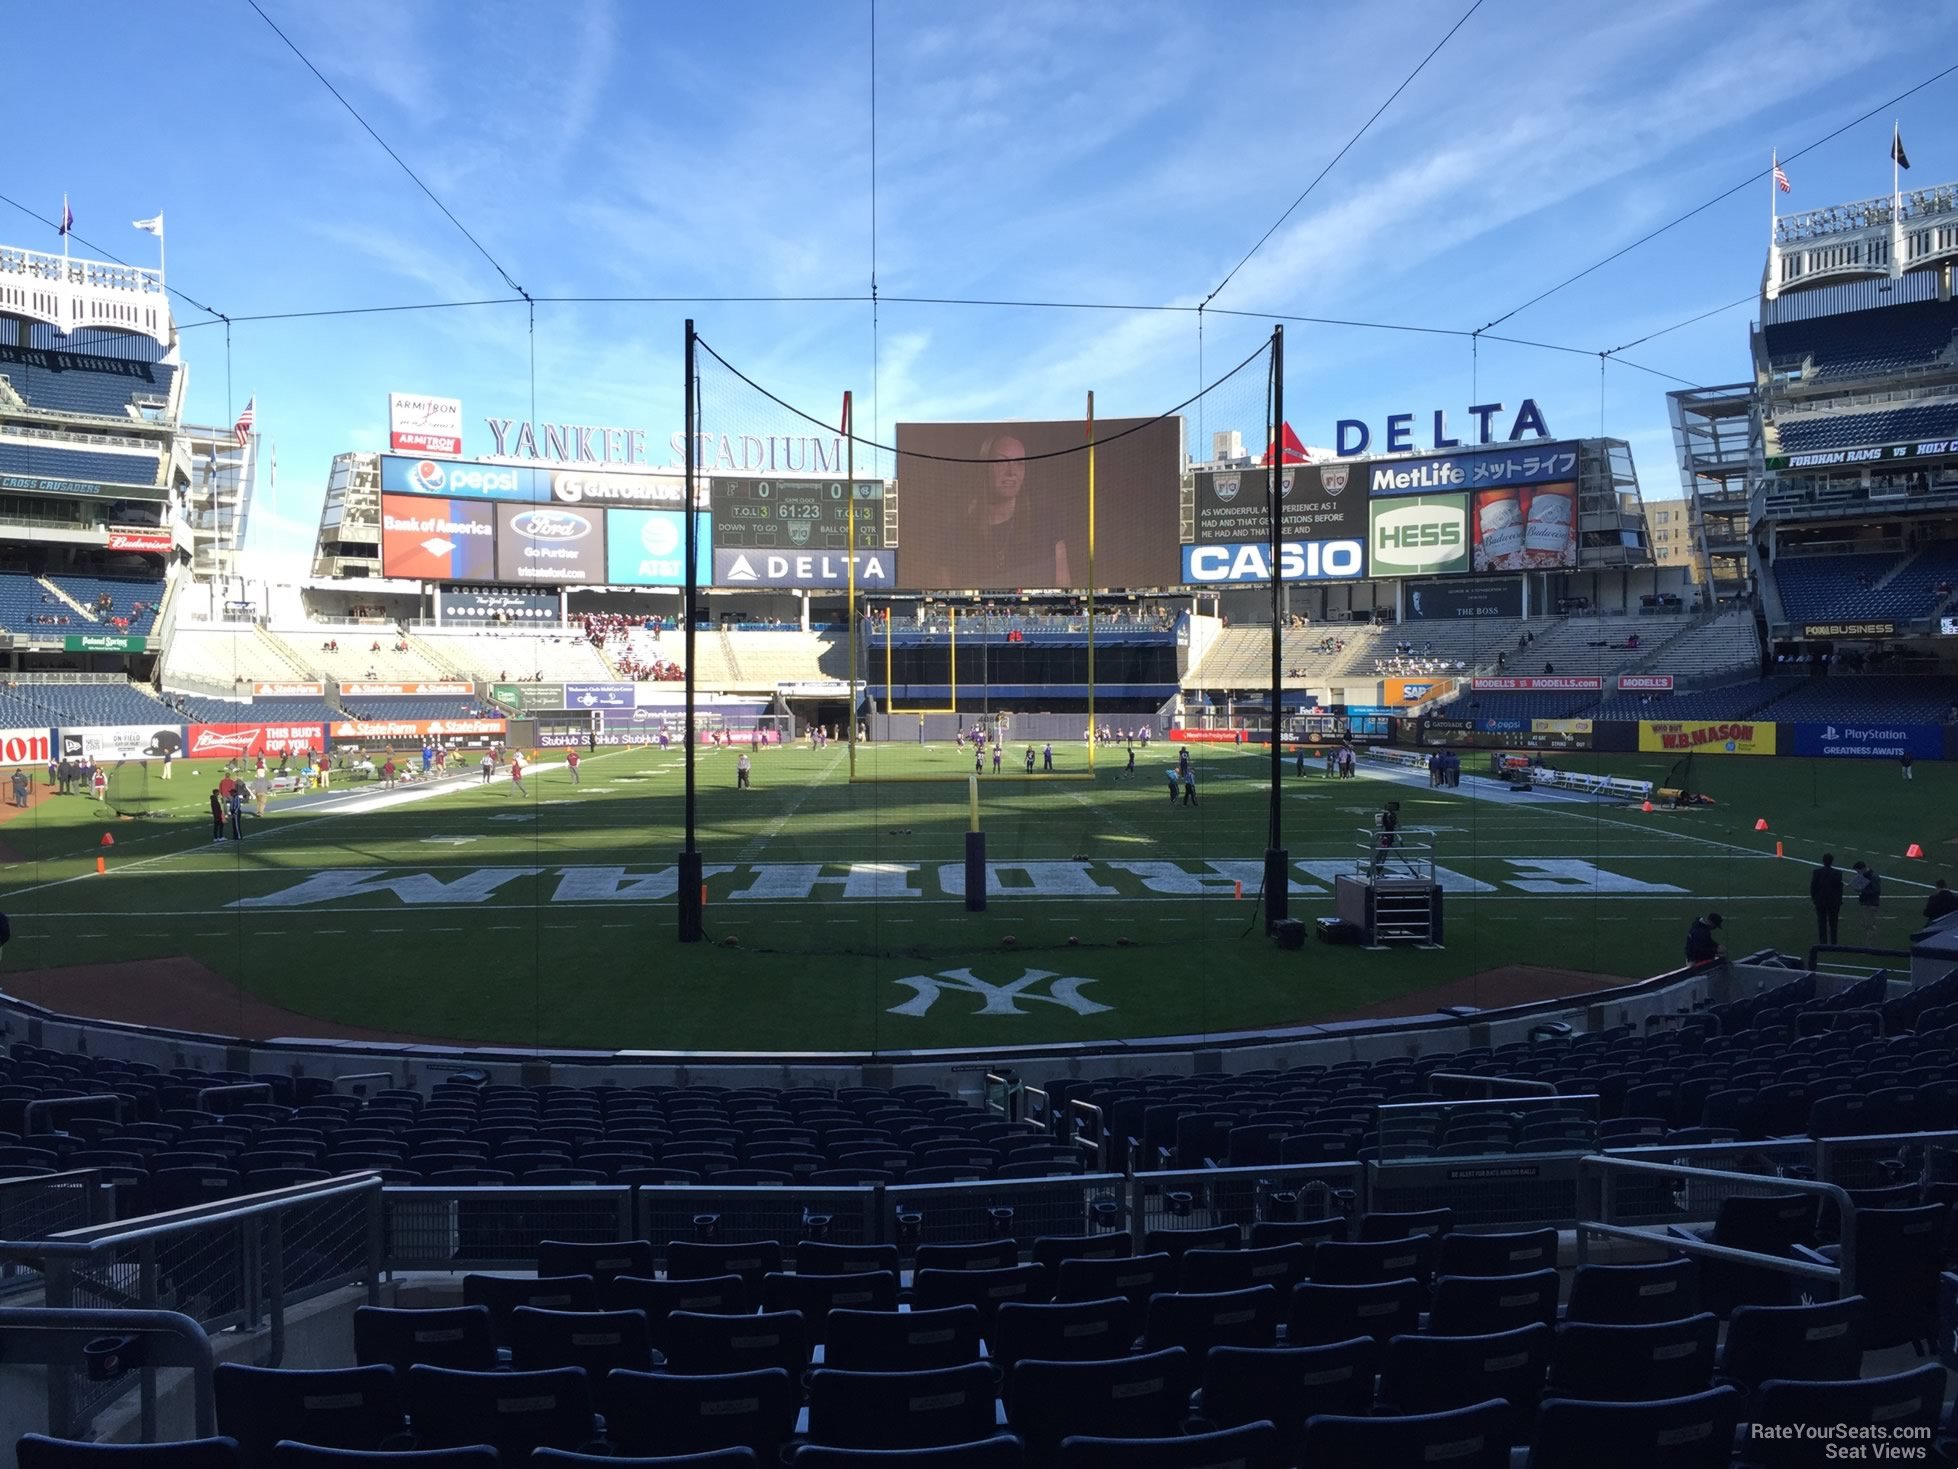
{"x":1739,"y":737}
{"x":245,"y":741}
{"x":414,"y":729}
{"x":419,"y":424}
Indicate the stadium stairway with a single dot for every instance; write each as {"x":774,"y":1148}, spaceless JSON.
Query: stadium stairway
{"x":727,"y":652}
{"x":433,"y":654}
{"x":48,"y":584}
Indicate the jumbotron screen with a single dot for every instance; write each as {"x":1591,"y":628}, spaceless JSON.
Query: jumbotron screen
{"x":1004,"y":506}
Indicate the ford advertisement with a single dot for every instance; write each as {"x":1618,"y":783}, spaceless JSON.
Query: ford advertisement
{"x":550,"y":545}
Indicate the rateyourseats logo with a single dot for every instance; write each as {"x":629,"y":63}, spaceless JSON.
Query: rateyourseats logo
{"x":999,"y":999}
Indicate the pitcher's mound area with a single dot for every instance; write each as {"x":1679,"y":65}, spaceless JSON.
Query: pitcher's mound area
{"x":1513,"y":984}
{"x":171,"y":994}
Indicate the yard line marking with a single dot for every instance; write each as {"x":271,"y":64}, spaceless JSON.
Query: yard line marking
{"x":758,"y":843}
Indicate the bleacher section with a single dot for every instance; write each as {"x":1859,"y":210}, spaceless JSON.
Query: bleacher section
{"x":257,"y":711}
{"x":504,"y":656}
{"x":1863,"y":343}
{"x":80,"y":464}
{"x":1913,"y":590}
{"x":1815,"y":588}
{"x":1727,"y":643}
{"x":224,"y":654}
{"x":1813,"y":433}
{"x":78,"y":390}
{"x":1866,"y":697}
{"x":125,"y":592}
{"x":77,"y":704}
{"x":23,"y":599}
{"x":359,"y":659}
{"x":766,"y":659}
{"x":419,"y":708}
{"x":1734,"y":701}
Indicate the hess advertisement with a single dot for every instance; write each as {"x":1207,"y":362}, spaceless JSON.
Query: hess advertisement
{"x":424,"y":539}
{"x":1004,"y":506}
{"x":554,"y":545}
{"x":1419,"y":535}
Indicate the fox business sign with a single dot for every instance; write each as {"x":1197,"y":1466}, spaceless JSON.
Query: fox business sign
{"x":1419,"y":535}
{"x":1250,"y":561}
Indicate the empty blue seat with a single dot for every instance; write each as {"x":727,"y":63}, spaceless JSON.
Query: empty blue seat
{"x":694,"y":1260}
{"x":1198,"y":1322}
{"x":36,"y":1451}
{"x":658,"y":1413}
{"x":697,"y":1342}
{"x":1475,"y":1305}
{"x":901,"y":1341}
{"x":1430,"y":1374}
{"x":1906,"y":1405}
{"x":1625,"y":1295}
{"x":1691,"y":1432}
{"x":1134,"y":1397}
{"x":344,"y":1408}
{"x":1061,"y":1331}
{"x":901,"y":1410}
{"x":815,"y":1296}
{"x":1816,"y":1343}
{"x":514,"y":1412}
{"x":462,"y":1337}
{"x":1001,"y":1451}
{"x":1336,"y":1262}
{"x":1332,"y":1313}
{"x":1281,"y":1266}
{"x":597,"y":1341}
{"x":1467,"y":1438}
{"x":986,"y":1289}
{"x":1250,"y":1446}
{"x":721,"y":1295}
{"x":1517,"y":1253}
{"x":1634,"y":1364}
{"x":288,"y":1455}
{"x":602,"y":1261}
{"x":503,"y":1294}
{"x":1287,"y":1385}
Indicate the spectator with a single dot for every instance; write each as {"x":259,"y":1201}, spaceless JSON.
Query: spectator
{"x":1701,"y":945}
{"x":1869,"y":899}
{"x":1942,"y":901}
{"x":1825,"y":895}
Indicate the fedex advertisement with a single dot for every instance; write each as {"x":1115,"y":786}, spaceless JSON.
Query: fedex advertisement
{"x":247,"y":741}
{"x":458,"y":479}
{"x":437,"y":540}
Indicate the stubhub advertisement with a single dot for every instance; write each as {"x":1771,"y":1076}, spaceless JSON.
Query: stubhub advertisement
{"x":1871,"y":741}
{"x":1240,"y":561}
{"x":648,"y":548}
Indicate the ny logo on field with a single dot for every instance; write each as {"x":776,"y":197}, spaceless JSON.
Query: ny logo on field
{"x":1000,"y":999}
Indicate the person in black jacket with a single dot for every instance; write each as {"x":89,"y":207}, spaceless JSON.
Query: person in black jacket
{"x":1825,"y":894}
{"x":217,"y":815}
{"x":1701,"y":945}
{"x":1942,"y":901}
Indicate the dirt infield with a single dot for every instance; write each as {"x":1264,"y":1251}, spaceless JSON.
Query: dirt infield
{"x":174,"y":994}
{"x":1493,"y":989}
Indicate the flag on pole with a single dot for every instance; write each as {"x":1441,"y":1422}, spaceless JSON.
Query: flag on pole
{"x":67,"y":217}
{"x":242,"y":429}
{"x":149,"y":226}
{"x":1897,"y":154}
{"x":1781,"y":179}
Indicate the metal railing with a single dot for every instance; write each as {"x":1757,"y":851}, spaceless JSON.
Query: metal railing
{"x":1486,"y":1087}
{"x":66,"y":1340}
{"x":1629,"y":1187}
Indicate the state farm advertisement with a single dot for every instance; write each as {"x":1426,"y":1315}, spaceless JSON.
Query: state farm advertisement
{"x":415,"y":729}
{"x":25,"y":747}
{"x":247,"y":741}
{"x":139,"y":540}
{"x":390,"y":690}
{"x":264,"y":690}
{"x":419,"y":424}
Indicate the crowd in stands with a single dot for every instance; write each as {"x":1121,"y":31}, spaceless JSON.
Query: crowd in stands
{"x":650,"y":670}
{"x":599,"y":627}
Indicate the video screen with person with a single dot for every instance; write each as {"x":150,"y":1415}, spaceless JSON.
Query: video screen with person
{"x":1004,"y":506}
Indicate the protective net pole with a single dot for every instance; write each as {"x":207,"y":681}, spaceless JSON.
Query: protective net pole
{"x":690,"y":917}
{"x":1277,"y":860}
{"x":850,"y":557}
{"x":1093,"y":728}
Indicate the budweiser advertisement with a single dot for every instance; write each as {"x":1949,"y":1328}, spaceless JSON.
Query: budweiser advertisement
{"x":288,"y":690}
{"x":384,"y":690}
{"x":139,"y":540}
{"x":26,"y":746}
{"x":1636,"y":683}
{"x":415,"y":729}
{"x":1555,"y":683}
{"x":247,"y":741}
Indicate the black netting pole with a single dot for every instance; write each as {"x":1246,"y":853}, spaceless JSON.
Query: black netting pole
{"x":690,"y":864}
{"x":1277,"y":860}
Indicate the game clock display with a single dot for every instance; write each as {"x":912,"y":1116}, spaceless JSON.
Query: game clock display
{"x":796,"y":514}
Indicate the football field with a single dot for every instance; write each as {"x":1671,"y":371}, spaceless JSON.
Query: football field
{"x":836,"y":913}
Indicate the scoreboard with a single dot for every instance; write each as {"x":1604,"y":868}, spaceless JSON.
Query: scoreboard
{"x":796,"y":514}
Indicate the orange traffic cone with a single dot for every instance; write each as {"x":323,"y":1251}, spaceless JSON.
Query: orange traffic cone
{"x":1777,"y":849}
{"x":101,"y":866}
{"x":1913,"y":850}
{"x":108,"y":839}
{"x":1760,"y":823}
{"x":1646,"y":808}
{"x":1237,"y":890}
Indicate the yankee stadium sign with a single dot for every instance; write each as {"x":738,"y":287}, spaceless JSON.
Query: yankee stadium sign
{"x":592,"y":443}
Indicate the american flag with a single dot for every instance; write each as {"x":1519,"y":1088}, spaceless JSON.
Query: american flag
{"x":243,"y":427}
{"x":1781,"y":180}
{"x":67,"y":218}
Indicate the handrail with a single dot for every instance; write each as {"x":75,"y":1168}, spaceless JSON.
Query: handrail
{"x":1091,"y":1111}
{"x":1814,"y":949}
{"x":386,"y":1076}
{"x":84,"y":1241}
{"x":81,"y":1103}
{"x":1605,"y":1169}
{"x":261,"y":1091}
{"x":16,"y":1321}
{"x":1528,"y":1088}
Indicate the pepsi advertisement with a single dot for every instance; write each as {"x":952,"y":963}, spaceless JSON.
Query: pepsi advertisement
{"x":550,"y":545}
{"x":459,"y":479}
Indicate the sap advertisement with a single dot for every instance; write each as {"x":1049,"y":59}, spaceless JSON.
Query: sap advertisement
{"x":648,"y":548}
{"x":554,"y":545}
{"x":424,"y":539}
{"x":1870,"y":741}
{"x":1242,"y":561}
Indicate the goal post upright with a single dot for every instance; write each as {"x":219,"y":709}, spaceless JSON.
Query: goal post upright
{"x":850,"y":561}
{"x":1092,"y":727}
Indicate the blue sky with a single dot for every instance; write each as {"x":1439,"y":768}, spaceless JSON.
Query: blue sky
{"x":1044,"y":151}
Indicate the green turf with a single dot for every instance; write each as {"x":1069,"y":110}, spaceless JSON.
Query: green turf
{"x":566,"y":939}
